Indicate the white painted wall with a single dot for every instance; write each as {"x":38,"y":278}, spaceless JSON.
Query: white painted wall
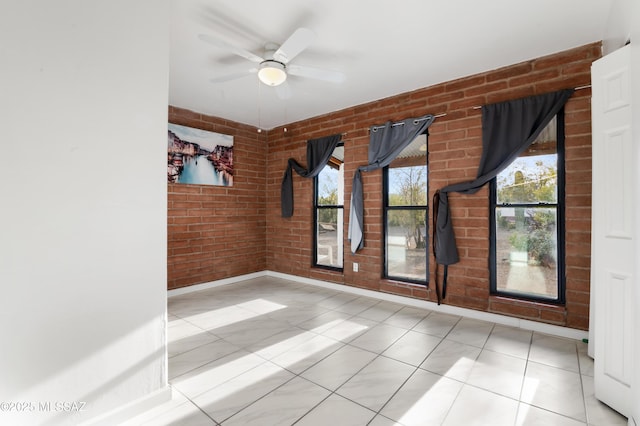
{"x":635,"y":64}
{"x":83,"y":113}
{"x":623,"y":25}
{"x":619,"y":25}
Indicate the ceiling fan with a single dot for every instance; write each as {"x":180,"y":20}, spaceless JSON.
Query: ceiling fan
{"x":275,"y":65}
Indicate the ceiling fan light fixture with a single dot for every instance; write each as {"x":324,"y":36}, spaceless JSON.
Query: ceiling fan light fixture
{"x":272,"y":73}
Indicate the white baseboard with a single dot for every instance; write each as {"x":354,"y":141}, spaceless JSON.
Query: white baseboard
{"x":554,"y":330}
{"x":213,"y":284}
{"x":131,"y":409}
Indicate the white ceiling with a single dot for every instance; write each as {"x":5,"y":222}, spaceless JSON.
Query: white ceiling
{"x":383,"y":47}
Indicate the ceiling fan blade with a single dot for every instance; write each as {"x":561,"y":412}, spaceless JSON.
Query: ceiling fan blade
{"x":234,"y":76}
{"x":316,"y":73}
{"x":296,"y":43}
{"x":230,"y":48}
{"x":283,"y":91}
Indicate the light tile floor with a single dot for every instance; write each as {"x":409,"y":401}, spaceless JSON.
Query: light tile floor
{"x":269,"y":352}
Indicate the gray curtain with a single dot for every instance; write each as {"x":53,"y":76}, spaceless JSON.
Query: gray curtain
{"x":318,"y":153}
{"x":385,"y":143}
{"x":508,"y":128}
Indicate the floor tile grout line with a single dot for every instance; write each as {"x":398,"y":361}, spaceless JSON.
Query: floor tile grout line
{"x":315,"y":363}
{"x":378,"y":354}
{"x":197,"y":406}
{"x":352,"y":376}
{"x":260,"y":398}
{"x":311,"y":409}
{"x":335,"y":391}
{"x":397,"y":390}
{"x":453,"y":403}
{"x":529,"y":361}
{"x":524,"y":375}
{"x":198,"y":346}
{"x":584,"y":396}
{"x":217,"y":359}
{"x":519,"y":401}
{"x":206,"y":363}
{"x":248,"y":351}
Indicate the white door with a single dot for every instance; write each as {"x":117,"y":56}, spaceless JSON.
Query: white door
{"x":613,"y":230}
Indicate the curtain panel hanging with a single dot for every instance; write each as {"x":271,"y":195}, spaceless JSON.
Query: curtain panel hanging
{"x":318,"y":153}
{"x":508,"y":128}
{"x":385,"y":143}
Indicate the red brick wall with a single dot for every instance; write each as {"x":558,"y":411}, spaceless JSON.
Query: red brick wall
{"x":454,"y":153}
{"x":217,"y":232}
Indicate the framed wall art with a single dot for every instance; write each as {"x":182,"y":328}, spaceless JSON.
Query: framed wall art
{"x":199,"y":157}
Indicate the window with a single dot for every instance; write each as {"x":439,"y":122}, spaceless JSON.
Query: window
{"x":527,"y":232}
{"x":405,"y":214}
{"x":328,"y":212}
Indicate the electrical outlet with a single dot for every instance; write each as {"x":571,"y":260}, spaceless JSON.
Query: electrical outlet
{"x":355,"y":267}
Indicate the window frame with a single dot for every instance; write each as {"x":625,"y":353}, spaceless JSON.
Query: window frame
{"x":385,"y":212}
{"x":560,"y":227}
{"x":314,"y":231}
